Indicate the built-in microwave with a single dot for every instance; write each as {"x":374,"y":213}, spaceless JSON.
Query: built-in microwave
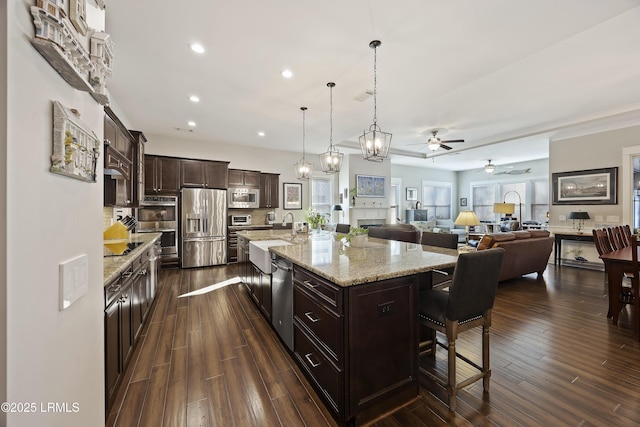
{"x":243,"y":197}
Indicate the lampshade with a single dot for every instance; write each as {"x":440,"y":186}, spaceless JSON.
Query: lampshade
{"x":467,"y":218}
{"x":337,"y":207}
{"x":579,"y":215}
{"x":504,"y":208}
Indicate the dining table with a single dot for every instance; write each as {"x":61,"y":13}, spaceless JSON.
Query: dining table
{"x":617,"y":263}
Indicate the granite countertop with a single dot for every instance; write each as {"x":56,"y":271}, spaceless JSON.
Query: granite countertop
{"x":278,"y":234}
{"x":115,"y":265}
{"x":249,"y":227}
{"x":346,"y":266}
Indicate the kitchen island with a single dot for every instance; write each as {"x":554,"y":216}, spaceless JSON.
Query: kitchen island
{"x":356,"y":328}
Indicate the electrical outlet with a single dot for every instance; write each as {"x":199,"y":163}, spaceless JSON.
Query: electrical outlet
{"x":74,"y":280}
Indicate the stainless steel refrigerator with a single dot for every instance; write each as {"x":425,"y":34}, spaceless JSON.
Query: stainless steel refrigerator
{"x":203,"y":227}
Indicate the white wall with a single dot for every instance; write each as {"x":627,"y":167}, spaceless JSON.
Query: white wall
{"x":3,"y":209}
{"x":52,"y":356}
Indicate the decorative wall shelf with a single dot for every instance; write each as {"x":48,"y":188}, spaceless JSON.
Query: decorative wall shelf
{"x":76,"y":148}
{"x":83,"y":62}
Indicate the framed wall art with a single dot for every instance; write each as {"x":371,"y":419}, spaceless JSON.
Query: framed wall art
{"x":463,"y":201}
{"x":370,"y":186}
{"x":586,"y":187}
{"x":412,"y":193}
{"x":292,"y":195}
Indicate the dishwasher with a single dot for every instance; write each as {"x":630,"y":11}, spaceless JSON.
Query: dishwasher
{"x":282,"y":299}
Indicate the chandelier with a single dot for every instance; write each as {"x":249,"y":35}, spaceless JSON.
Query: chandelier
{"x":375,"y":143}
{"x":303,"y":168}
{"x":331,"y":160}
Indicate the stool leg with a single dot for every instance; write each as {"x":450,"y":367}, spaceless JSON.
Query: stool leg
{"x":486,"y":371}
{"x":451,"y":380}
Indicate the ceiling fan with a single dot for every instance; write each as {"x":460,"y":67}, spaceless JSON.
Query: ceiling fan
{"x":433,"y":143}
{"x":493,"y":169}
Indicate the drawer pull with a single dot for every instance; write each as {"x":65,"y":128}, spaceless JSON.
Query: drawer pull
{"x":114,"y":288}
{"x":312,"y":317}
{"x":127,"y":274}
{"x":309,"y":284}
{"x":308,"y":357}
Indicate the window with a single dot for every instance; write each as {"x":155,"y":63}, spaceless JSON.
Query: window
{"x":540,"y":201}
{"x":483,"y":198}
{"x":436,"y":199}
{"x":321,"y":200}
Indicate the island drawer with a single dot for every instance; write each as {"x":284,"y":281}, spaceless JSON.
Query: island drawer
{"x":321,"y":321}
{"x":328,"y":378}
{"x":319,"y":287}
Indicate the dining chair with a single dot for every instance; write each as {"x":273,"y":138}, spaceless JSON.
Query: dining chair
{"x":621,"y":295}
{"x":342,"y":228}
{"x":626,"y":233}
{"x":465,"y":306}
{"x":615,"y":237}
{"x":635,"y":289}
{"x":441,"y":240}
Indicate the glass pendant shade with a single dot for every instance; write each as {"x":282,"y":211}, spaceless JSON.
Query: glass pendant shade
{"x":303,"y":169}
{"x":331,"y":160}
{"x":374,"y":143}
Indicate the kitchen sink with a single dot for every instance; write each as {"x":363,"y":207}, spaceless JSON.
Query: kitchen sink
{"x":259,"y":253}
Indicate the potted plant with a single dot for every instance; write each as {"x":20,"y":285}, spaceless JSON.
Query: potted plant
{"x":357,"y":236}
{"x":316,"y":220}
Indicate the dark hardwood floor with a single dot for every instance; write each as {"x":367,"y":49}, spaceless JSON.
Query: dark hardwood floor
{"x":213,"y":360}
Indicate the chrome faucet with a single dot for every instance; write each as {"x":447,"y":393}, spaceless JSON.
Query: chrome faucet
{"x":284,"y":221}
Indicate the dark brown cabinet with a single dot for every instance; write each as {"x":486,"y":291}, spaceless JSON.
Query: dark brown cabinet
{"x":337,"y":330}
{"x":244,"y":178}
{"x":269,"y":183}
{"x":138,"y":165}
{"x":120,"y":173}
{"x":161,"y":175}
{"x":128,"y":299}
{"x":203,"y":173}
{"x":118,"y":334}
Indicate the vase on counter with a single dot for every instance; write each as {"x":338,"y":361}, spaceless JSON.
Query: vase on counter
{"x":353,"y":201}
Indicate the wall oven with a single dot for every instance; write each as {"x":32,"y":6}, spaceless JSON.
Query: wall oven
{"x":243,"y":198}
{"x":159,"y":214}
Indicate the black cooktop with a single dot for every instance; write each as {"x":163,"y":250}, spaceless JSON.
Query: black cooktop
{"x":120,"y":248}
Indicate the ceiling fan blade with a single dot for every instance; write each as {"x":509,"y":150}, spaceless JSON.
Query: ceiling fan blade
{"x":446,"y":147}
{"x":453,"y":140}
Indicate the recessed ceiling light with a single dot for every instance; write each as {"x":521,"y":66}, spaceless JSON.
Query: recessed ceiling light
{"x":197,"y":47}
{"x":260,"y":133}
{"x":287,"y":74}
{"x":191,"y":123}
{"x":194,"y":98}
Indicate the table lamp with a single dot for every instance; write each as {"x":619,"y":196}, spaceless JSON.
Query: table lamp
{"x":467,"y":218}
{"x":580,"y":216}
{"x":338,"y":208}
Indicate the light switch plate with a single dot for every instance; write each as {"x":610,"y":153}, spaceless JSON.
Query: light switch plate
{"x":563,"y":218}
{"x":613,"y":218}
{"x":599,"y":218}
{"x":74,"y":280}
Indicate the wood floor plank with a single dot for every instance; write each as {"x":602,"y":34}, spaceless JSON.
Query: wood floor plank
{"x":195,"y":368}
{"x":147,"y":355}
{"x":165,"y":341}
{"x":180,"y":332}
{"x":153,"y":410}
{"x":218,"y":397}
{"x":129,"y":414}
{"x":175,"y":405}
{"x":287,"y":413}
{"x":306,"y":404}
{"x":272,"y":381}
{"x":198,"y":413}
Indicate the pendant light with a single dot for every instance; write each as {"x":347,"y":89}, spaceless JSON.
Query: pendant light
{"x":303,"y":169}
{"x":331,"y":161}
{"x":375,"y":143}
